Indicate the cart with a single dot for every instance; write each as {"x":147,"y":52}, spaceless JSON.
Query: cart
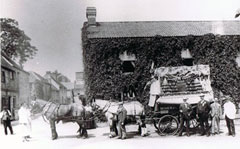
{"x":177,"y":83}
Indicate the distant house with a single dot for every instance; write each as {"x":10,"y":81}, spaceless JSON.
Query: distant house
{"x":118,"y":56}
{"x":58,"y":76}
{"x":40,"y":88}
{"x":79,"y":85}
{"x":70,"y":91}
{"x":14,"y":85}
{"x":58,"y":90}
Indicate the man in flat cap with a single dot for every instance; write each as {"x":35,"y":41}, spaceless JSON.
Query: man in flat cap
{"x":121,"y":115}
{"x":185,"y":110}
{"x":203,"y":110}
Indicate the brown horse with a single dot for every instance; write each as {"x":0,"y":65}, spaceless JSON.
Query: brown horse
{"x":53,"y":112}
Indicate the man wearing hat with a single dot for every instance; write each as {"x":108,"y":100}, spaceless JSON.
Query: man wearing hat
{"x":230,"y":114}
{"x":203,"y":110}
{"x":5,"y":116}
{"x":216,"y":112}
{"x":121,"y":115}
{"x":185,"y":113}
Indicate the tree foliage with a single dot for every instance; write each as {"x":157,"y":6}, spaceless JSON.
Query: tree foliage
{"x":102,"y":64}
{"x":14,"y":42}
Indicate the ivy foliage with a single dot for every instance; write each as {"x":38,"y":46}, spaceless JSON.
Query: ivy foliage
{"x":102,"y":64}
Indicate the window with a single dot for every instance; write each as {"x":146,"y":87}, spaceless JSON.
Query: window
{"x":187,"y":57}
{"x":128,"y":62}
{"x":128,"y":66}
{"x":11,"y":75}
{"x":3,"y":77}
{"x":188,"y":62}
{"x":238,"y":59}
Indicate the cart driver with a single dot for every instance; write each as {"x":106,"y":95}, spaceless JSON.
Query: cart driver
{"x":185,"y":110}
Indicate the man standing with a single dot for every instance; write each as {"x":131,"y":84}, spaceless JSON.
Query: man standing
{"x":25,"y":121}
{"x":121,"y":115}
{"x":229,"y":113}
{"x":185,"y":114}
{"x":155,"y":91}
{"x":6,"y":118}
{"x":203,"y":109}
{"x":216,"y":112}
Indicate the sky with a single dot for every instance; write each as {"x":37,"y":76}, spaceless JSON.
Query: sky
{"x":54,"y":26}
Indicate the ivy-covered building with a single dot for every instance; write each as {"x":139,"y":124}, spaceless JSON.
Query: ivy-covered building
{"x":118,"y":56}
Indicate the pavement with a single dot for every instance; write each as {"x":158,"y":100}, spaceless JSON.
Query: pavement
{"x":98,"y":138}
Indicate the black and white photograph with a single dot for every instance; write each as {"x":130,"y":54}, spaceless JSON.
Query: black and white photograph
{"x":120,"y":74}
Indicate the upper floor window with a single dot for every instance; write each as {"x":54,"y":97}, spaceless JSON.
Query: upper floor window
{"x":238,"y":59}
{"x":187,"y":57}
{"x":3,"y":77}
{"x":11,"y":75}
{"x":128,"y":64}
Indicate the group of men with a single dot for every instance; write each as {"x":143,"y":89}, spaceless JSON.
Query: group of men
{"x":205,"y":111}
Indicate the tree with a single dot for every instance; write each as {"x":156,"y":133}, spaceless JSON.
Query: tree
{"x":14,"y":42}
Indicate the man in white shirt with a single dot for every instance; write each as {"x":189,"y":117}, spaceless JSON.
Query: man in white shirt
{"x":25,"y":121}
{"x":230,"y":113}
{"x":155,"y":91}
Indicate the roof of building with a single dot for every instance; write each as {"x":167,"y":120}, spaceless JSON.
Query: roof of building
{"x":38,"y":77}
{"x":10,"y":64}
{"x":54,"y":82}
{"x":68,"y":85}
{"x":7,"y":64}
{"x":162,"y":28}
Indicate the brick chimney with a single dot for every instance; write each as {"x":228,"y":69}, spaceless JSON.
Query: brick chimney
{"x":91,"y":16}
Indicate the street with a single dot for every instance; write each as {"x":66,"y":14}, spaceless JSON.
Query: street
{"x":98,"y":138}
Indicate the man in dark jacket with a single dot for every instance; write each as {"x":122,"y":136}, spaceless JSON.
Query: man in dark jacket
{"x":6,"y":119}
{"x":121,"y":115}
{"x":185,"y":110}
{"x":203,"y":112}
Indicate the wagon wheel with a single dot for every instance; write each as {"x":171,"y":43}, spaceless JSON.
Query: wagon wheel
{"x":168,"y":125}
{"x":155,"y":123}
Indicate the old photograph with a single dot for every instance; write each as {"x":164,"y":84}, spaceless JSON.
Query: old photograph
{"x":120,"y":74}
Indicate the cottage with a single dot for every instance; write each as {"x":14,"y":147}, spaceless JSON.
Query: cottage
{"x":40,"y":88}
{"x":118,"y":56}
{"x":58,"y":90}
{"x":14,"y":85}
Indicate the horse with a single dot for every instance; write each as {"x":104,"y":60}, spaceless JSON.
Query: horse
{"x":54,"y":112}
{"x":134,"y":109}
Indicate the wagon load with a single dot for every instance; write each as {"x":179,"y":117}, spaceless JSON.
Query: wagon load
{"x":184,"y":81}
{"x":175,"y":84}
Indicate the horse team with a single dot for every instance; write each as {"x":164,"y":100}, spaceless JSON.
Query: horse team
{"x":76,"y":112}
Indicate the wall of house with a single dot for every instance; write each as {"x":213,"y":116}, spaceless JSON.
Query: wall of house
{"x":9,"y":91}
{"x":46,"y":91}
{"x":55,"y":96}
{"x":24,"y":88}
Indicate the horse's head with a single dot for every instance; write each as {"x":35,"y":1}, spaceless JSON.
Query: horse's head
{"x":37,"y":106}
